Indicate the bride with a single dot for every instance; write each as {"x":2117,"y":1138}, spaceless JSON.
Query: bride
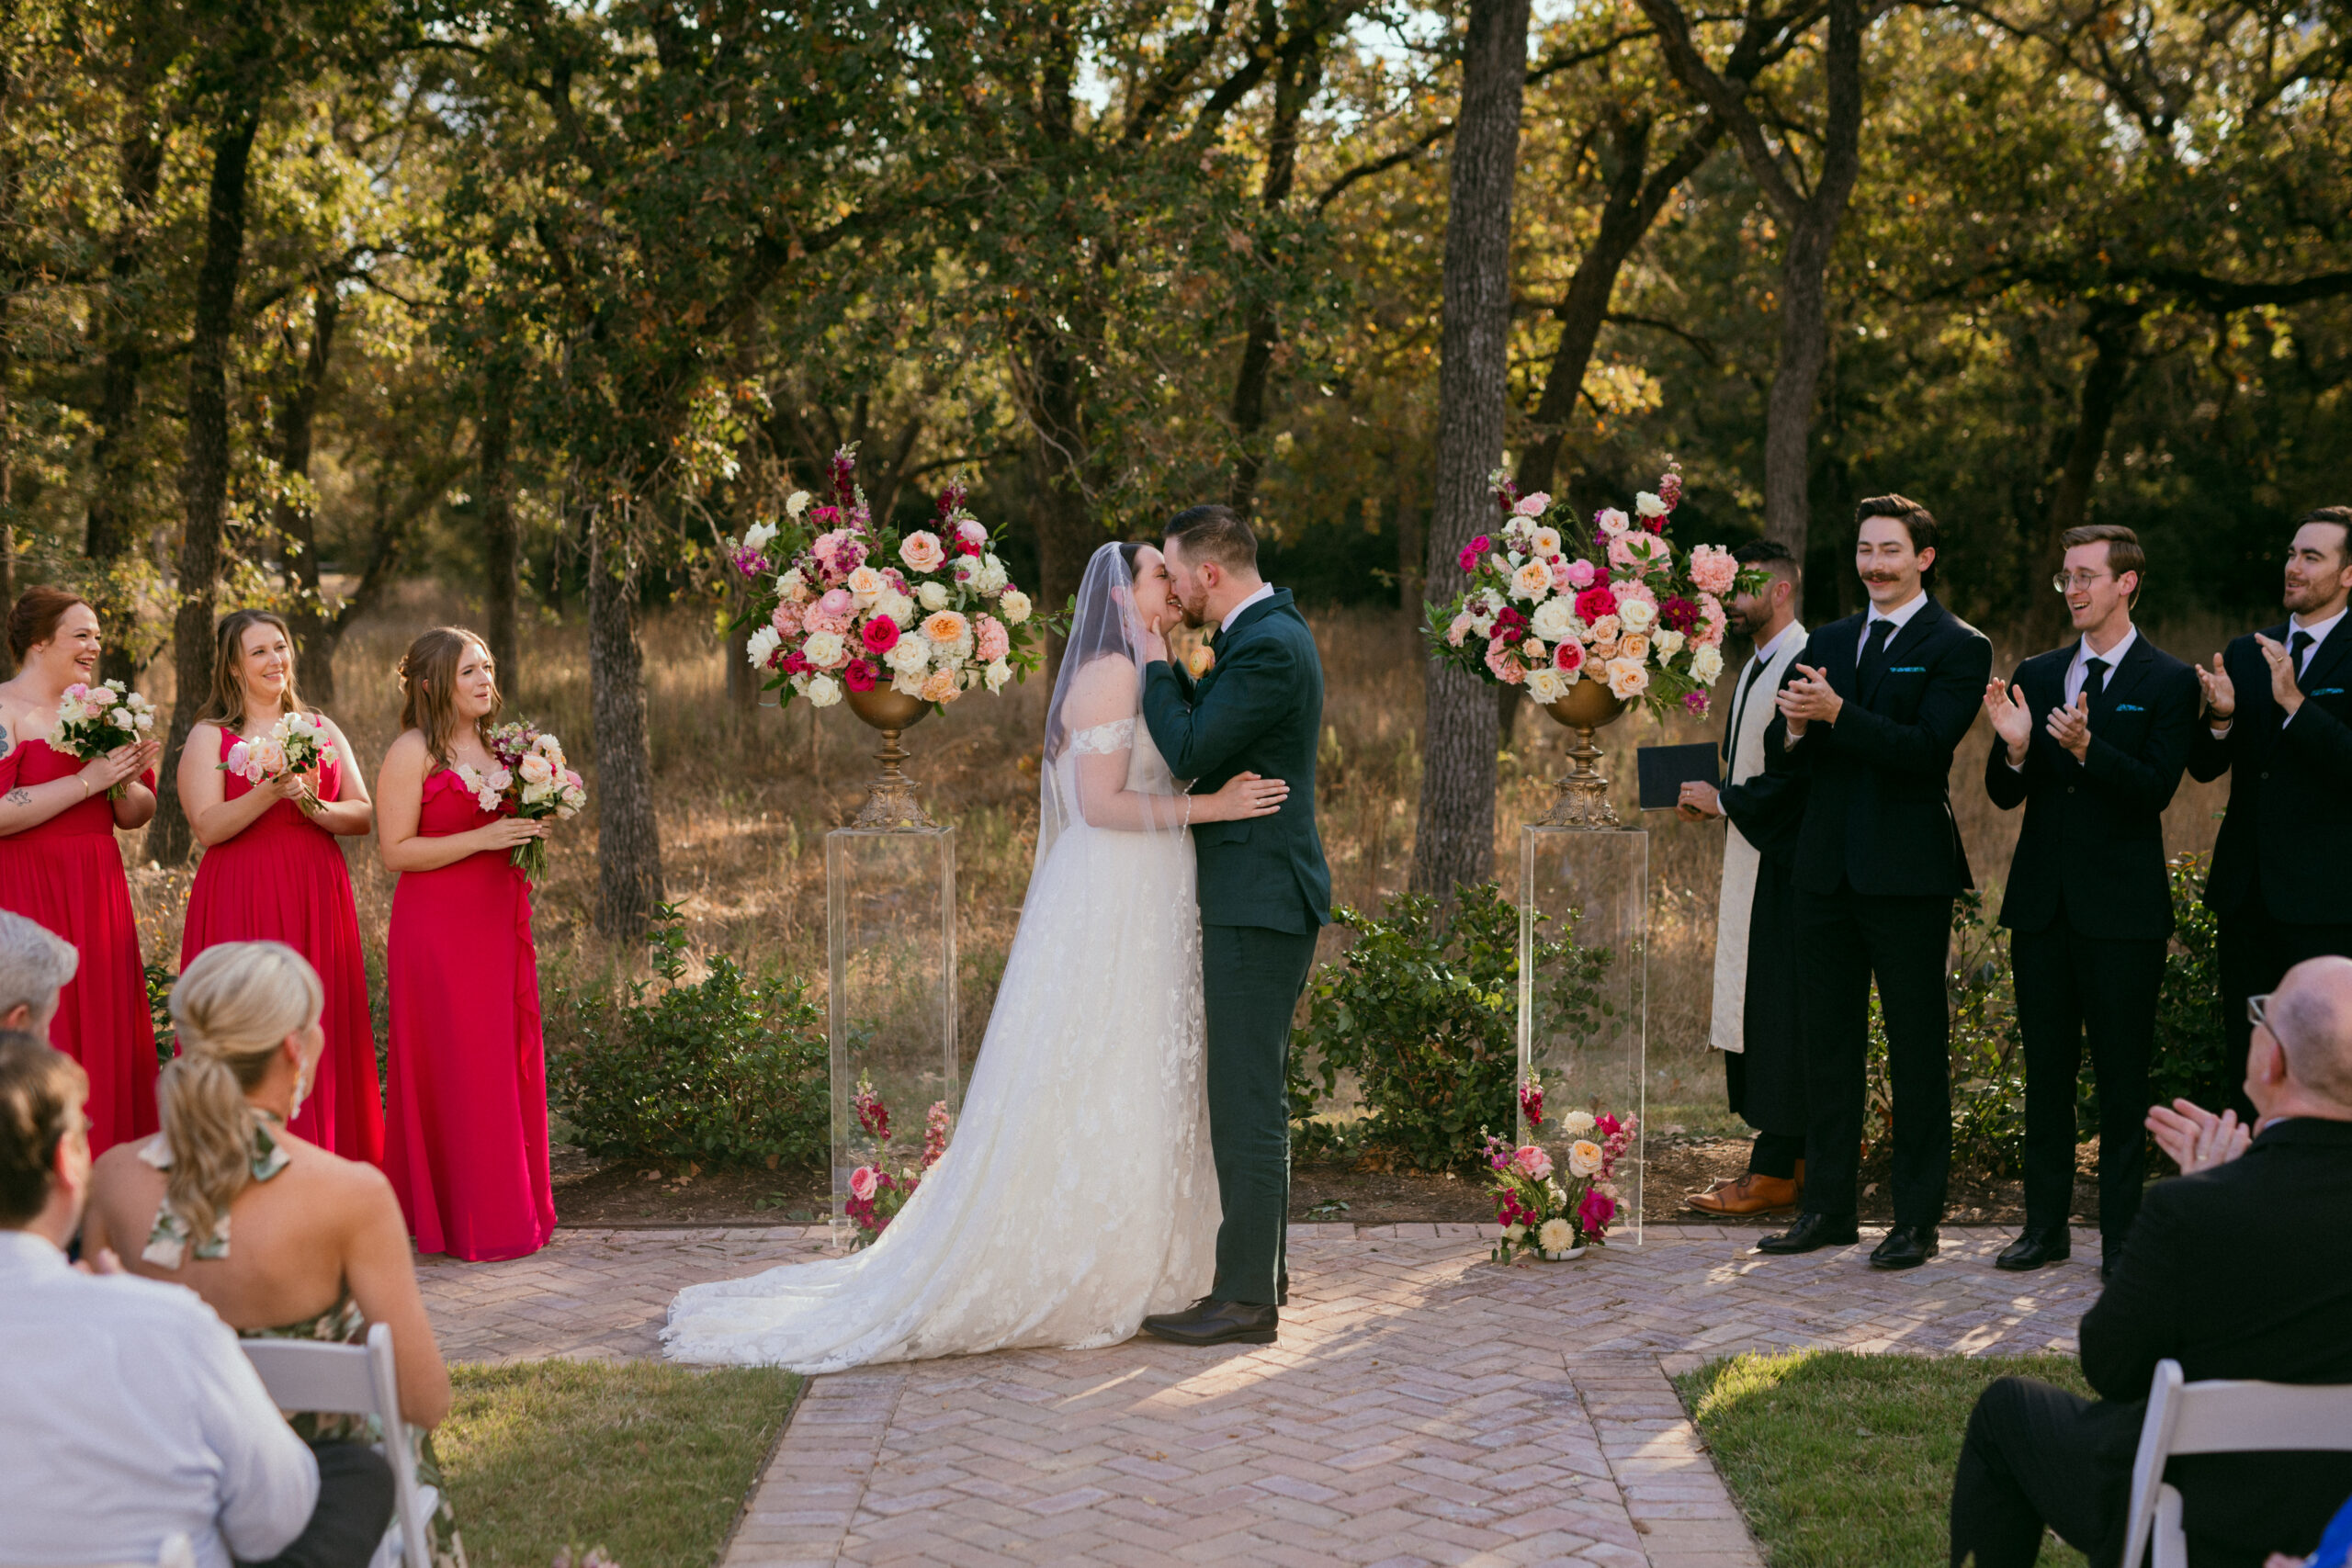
{"x":1078,"y":1194}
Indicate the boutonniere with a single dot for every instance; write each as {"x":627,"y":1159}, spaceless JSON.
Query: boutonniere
{"x":1201,"y":661}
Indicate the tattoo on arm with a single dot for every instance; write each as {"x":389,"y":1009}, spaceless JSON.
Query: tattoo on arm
{"x":4,"y":740}
{"x":19,"y":795}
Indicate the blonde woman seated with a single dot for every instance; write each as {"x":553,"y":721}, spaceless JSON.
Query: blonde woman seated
{"x":281,"y":1238}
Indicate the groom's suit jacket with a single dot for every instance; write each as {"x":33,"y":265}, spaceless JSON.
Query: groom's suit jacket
{"x":1259,"y":710}
{"x":2286,"y":838}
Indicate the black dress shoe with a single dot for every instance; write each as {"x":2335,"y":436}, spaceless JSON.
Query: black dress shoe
{"x":1810,"y":1233}
{"x":1905,"y":1246}
{"x":1208,"y":1321}
{"x":2106,"y":1269}
{"x":2036,"y":1246}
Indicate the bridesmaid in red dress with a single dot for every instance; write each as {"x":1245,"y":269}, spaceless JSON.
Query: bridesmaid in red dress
{"x":465,"y":1087}
{"x":273,"y":871}
{"x":59,"y":865}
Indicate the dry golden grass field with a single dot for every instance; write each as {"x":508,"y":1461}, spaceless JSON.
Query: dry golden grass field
{"x":745,"y":800}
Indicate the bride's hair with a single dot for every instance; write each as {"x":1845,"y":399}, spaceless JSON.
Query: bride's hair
{"x":1101,"y":629}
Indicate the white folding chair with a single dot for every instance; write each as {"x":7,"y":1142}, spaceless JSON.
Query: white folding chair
{"x":353,"y":1380}
{"x":2220,"y":1417}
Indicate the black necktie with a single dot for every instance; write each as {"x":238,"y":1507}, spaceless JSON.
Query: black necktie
{"x":1873,"y":649}
{"x":2094,"y":679}
{"x":2297,"y":646}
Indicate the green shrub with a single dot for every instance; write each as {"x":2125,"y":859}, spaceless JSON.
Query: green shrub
{"x":160,"y":981}
{"x":1423,"y":1008}
{"x":730,"y":1070}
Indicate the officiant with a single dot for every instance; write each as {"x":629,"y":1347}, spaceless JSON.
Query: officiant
{"x":1755,"y":1024}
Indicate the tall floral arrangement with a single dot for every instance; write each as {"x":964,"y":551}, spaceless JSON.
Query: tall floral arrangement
{"x":840,"y":603}
{"x":1551,"y":1206}
{"x":876,"y":1192}
{"x":1545,"y":608}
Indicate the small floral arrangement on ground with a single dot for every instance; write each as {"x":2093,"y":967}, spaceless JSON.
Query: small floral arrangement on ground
{"x":1546,"y":610}
{"x":95,"y":720}
{"x":839,"y":602}
{"x":296,"y":743}
{"x":876,"y":1195}
{"x":529,"y":779}
{"x":1544,"y":1209}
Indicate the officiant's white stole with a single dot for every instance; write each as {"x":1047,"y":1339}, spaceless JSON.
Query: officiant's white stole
{"x":1728,"y":1032}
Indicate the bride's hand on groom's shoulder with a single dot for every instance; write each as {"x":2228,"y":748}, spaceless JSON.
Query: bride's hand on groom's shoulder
{"x":1244,"y":795}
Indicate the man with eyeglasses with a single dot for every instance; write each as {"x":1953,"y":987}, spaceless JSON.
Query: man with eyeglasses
{"x":2091,"y":741}
{"x":2233,"y":1272}
{"x":2279,"y":723}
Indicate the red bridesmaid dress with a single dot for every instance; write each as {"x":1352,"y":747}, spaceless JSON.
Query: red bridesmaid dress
{"x":66,"y":873}
{"x":283,"y":879}
{"x":465,"y":1083}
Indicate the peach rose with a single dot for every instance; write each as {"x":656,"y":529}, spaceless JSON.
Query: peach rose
{"x":947,"y":627}
{"x":1627,"y":679}
{"x":921,"y":550}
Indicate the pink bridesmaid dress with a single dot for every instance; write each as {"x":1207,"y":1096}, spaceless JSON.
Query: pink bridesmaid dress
{"x":283,"y":879}
{"x":466,"y":1086}
{"x":66,"y":873}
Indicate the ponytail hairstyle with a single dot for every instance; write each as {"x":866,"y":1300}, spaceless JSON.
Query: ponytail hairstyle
{"x":234,"y":1005}
{"x":428,"y":674}
{"x":227,"y":708}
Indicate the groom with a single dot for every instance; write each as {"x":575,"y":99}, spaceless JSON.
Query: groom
{"x":1265,"y":893}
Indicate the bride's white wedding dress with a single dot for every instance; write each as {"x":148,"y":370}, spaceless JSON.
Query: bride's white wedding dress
{"x":1076,"y":1194}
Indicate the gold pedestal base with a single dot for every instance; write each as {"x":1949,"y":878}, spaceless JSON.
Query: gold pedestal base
{"x":891,"y":801}
{"x":1583,"y":797}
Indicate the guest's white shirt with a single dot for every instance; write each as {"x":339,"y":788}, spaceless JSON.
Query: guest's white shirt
{"x":1265,"y":590}
{"x":129,"y":1415}
{"x":1901,"y":616}
{"x":2078,"y":672}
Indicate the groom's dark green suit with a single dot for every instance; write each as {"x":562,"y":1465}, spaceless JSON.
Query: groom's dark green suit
{"x":1265,"y":893}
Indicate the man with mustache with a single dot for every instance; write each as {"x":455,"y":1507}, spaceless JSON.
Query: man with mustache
{"x":2279,"y":722}
{"x":2092,"y":739}
{"x":1869,"y":717}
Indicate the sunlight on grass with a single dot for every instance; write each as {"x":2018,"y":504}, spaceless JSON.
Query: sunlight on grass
{"x":1841,"y":1460}
{"x":650,"y":1462}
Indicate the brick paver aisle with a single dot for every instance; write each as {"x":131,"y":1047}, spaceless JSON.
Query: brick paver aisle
{"x":1423,"y":1405}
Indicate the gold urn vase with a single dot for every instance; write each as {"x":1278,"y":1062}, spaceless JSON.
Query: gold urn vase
{"x":1583,"y":798}
{"x":890,"y":797}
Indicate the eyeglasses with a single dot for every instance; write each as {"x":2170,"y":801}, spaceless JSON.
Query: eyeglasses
{"x":2257,"y":1012}
{"x":2081,"y":580}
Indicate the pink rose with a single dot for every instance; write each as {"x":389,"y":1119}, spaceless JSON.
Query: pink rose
{"x":1505,"y":667}
{"x":1531,"y":1162}
{"x":1611,"y":522}
{"x":1581,"y":573}
{"x":833,"y":612}
{"x":1569,"y":655}
{"x":1533,"y":505}
{"x":1597,"y":1210}
{"x":862,"y":1182}
{"x":1594,"y":602}
{"x":880,"y":635}
{"x":921,"y":550}
{"x":991,"y":642}
{"x":858,"y":675}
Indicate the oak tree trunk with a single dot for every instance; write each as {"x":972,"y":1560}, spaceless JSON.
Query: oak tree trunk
{"x":296,"y":524}
{"x":2114,"y":331}
{"x":628,"y":843}
{"x":1295,"y":88}
{"x":1454,"y":841}
{"x":500,"y":547}
{"x":109,"y":519}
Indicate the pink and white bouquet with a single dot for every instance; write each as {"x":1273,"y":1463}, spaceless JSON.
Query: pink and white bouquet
{"x":876,"y":1195}
{"x":298,"y":743}
{"x":529,"y":779}
{"x":95,"y":720}
{"x":1552,"y":1207}
{"x":841,"y":604}
{"x":1544,"y":609}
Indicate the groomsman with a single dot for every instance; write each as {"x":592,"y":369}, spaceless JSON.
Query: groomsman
{"x":1756,"y":1024}
{"x":2092,"y":738}
{"x":1870,"y":717}
{"x":2279,"y":722}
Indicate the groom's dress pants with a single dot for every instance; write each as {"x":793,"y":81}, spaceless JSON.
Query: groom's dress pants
{"x":1253,"y":977}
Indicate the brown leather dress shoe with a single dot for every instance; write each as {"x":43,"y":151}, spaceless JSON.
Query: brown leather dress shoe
{"x":1751,"y":1194}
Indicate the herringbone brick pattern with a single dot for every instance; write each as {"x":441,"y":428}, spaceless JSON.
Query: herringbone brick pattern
{"x":1423,"y":1405}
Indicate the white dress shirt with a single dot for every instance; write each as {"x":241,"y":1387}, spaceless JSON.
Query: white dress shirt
{"x":2318,"y":631}
{"x":129,"y":1415}
{"x":1265,"y":590}
{"x":2078,"y":670}
{"x":1901,"y":616}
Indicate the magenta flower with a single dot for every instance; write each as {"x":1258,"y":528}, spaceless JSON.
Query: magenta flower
{"x":1595,"y":1213}
{"x":1696,"y":702}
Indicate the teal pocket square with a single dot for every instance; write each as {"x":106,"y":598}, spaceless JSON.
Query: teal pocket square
{"x":2128,"y":708}
{"x":1909,"y":670}
{"x":2328,"y":692}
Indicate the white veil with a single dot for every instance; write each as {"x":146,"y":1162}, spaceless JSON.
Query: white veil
{"x":1088,"y":777}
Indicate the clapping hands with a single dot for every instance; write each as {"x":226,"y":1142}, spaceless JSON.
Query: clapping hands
{"x":2220,"y":691}
{"x":2071,"y":726}
{"x":2283,"y":690}
{"x":1808,"y":697}
{"x":2012,"y":720}
{"x":2195,"y":1138}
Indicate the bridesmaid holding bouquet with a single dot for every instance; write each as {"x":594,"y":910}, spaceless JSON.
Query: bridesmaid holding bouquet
{"x":272,"y":869}
{"x":466,"y":1102}
{"x":59,"y":865}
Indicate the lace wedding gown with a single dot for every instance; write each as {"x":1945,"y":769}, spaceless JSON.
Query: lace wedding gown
{"x":1078,"y":1194}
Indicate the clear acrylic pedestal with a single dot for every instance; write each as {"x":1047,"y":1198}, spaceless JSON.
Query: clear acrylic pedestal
{"x":891,"y":924}
{"x":1583,"y":1008}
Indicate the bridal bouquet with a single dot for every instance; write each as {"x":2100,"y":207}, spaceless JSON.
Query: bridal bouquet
{"x":1546,"y":609}
{"x":95,"y":720}
{"x":1548,"y":1210}
{"x":842,"y":603}
{"x":296,"y":744}
{"x":875,"y":1196}
{"x":530,"y":780}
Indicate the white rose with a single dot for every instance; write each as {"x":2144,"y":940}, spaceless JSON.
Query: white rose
{"x":1649,"y":505}
{"x":1514,"y":1232}
{"x":1584,"y":1157}
{"x":906,"y":684}
{"x":1546,"y":685}
{"x":898,"y":608}
{"x":761,"y":647}
{"x":792,"y":584}
{"x":999,"y":672}
{"x":536,"y":769}
{"x":824,"y":649}
{"x":1634,"y":645}
{"x":824,"y":691}
{"x":1667,"y":643}
{"x":799,"y":502}
{"x":911,"y":655}
{"x":1554,"y":620}
{"x":757,"y":535}
{"x":1013,"y":606}
{"x":1706,"y":664}
{"x":935,"y":596}
{"x":1636,"y":613}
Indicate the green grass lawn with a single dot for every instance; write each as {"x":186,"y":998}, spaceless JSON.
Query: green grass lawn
{"x":650,"y":1462}
{"x":1842,"y":1460}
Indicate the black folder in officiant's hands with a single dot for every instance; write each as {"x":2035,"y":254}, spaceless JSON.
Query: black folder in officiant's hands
{"x":1666,"y":769}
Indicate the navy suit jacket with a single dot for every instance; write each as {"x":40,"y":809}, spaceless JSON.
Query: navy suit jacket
{"x":2093,"y":841}
{"x":1878,"y":802}
{"x":2287,"y":834}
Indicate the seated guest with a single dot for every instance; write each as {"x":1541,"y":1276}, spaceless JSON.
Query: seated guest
{"x":281,"y":1238}
{"x":128,"y":1418}
{"x":35,"y":965}
{"x":2224,"y":1272}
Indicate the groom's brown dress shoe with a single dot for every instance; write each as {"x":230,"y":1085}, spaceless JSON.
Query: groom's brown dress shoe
{"x":1210,"y":1321}
{"x":1751,"y":1194}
